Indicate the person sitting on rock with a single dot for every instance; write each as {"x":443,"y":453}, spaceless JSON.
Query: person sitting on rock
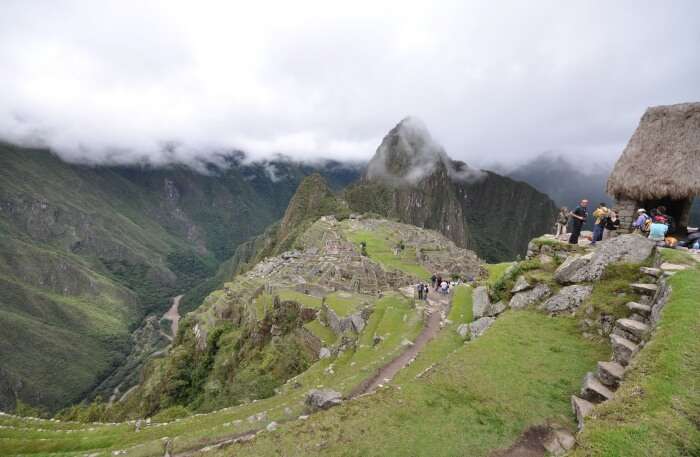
{"x":612,"y":223}
{"x":658,"y":230}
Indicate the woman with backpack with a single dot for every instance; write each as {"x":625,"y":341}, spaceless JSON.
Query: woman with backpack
{"x":642,"y":223}
{"x":562,"y":220}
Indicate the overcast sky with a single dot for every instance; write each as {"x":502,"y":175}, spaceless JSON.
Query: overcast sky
{"x":493,"y":81}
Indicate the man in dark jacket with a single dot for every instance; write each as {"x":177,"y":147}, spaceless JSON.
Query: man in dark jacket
{"x":578,"y":217}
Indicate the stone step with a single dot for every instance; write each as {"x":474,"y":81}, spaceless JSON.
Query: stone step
{"x":635,"y":328}
{"x":655,"y":272}
{"x":631,"y":329}
{"x":649,"y":289}
{"x":640,"y":318}
{"x":623,"y":349}
{"x":593,"y":390}
{"x":610,"y":373}
{"x":635,"y":307}
{"x":582,"y":409}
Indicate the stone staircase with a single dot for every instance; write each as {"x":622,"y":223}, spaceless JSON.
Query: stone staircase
{"x":627,"y":338}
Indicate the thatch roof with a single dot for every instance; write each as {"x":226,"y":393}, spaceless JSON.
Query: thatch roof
{"x":662,"y":159}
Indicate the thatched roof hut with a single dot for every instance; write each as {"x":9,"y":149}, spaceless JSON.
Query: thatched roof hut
{"x":662,"y":159}
{"x":661,"y":163}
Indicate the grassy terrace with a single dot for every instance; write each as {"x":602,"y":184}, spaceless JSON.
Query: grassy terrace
{"x":656,"y":412}
{"x":393,"y":318}
{"x":380,"y":245}
{"x":479,"y":396}
{"x":496,"y":271}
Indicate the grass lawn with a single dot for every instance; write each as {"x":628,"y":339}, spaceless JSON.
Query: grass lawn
{"x":345,"y":303}
{"x":394,"y":318}
{"x":496,"y":271}
{"x":380,"y":249}
{"x":461,"y":311}
{"x":480,"y":397}
{"x":656,"y":411}
{"x":326,"y":335}
{"x":676,"y":256}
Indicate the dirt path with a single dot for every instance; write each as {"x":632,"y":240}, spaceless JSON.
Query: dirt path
{"x":437,"y":305}
{"x":173,"y":315}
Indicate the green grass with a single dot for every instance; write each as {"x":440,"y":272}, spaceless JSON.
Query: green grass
{"x":613,"y":292}
{"x":656,"y":411}
{"x":461,"y":311}
{"x":380,"y":247}
{"x":344,"y":303}
{"x":676,"y":256}
{"x":326,"y":335}
{"x":480,"y":397}
{"x":394,"y":318}
{"x":496,"y":271}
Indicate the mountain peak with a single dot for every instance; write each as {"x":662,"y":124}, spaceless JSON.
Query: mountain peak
{"x":408,"y":154}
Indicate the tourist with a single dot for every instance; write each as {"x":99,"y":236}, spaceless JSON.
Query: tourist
{"x":426,"y":290}
{"x":562,"y":220}
{"x":434,"y":280}
{"x":438,"y":283}
{"x":658,"y":229}
{"x":600,"y":214}
{"x":639,"y":224}
{"x":419,"y":289}
{"x":578,"y":216}
{"x":612,"y":223}
{"x":670,"y":221}
{"x":444,"y":287}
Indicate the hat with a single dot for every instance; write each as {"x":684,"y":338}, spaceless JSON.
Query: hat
{"x":641,"y":210}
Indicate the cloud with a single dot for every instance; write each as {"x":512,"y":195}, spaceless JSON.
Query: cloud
{"x":127,"y":81}
{"x":409,"y":153}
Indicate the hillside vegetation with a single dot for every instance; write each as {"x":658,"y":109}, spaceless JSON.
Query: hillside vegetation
{"x":86,"y":252}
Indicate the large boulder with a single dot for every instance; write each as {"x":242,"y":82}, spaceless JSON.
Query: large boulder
{"x":480,"y":301}
{"x":529,"y":297}
{"x":495,"y":309}
{"x":567,"y":299}
{"x":630,"y":248}
{"x":520,"y":285}
{"x":463,"y":330}
{"x":318,"y":399}
{"x":479,"y":326}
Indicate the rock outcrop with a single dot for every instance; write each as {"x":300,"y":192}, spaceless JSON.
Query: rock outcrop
{"x":568,"y":298}
{"x":629,"y":248}
{"x":480,"y":302}
{"x":319,"y":399}
{"x":530,"y":297}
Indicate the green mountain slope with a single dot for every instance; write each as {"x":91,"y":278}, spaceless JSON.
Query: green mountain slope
{"x":86,"y":252}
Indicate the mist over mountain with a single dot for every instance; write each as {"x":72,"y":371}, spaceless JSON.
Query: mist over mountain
{"x":563,"y":180}
{"x":568,"y":182}
{"x":412,"y":178}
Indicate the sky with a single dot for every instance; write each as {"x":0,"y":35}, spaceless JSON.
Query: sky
{"x":496,"y":82}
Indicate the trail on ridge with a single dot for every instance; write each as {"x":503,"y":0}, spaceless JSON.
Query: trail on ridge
{"x":437,"y":306}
